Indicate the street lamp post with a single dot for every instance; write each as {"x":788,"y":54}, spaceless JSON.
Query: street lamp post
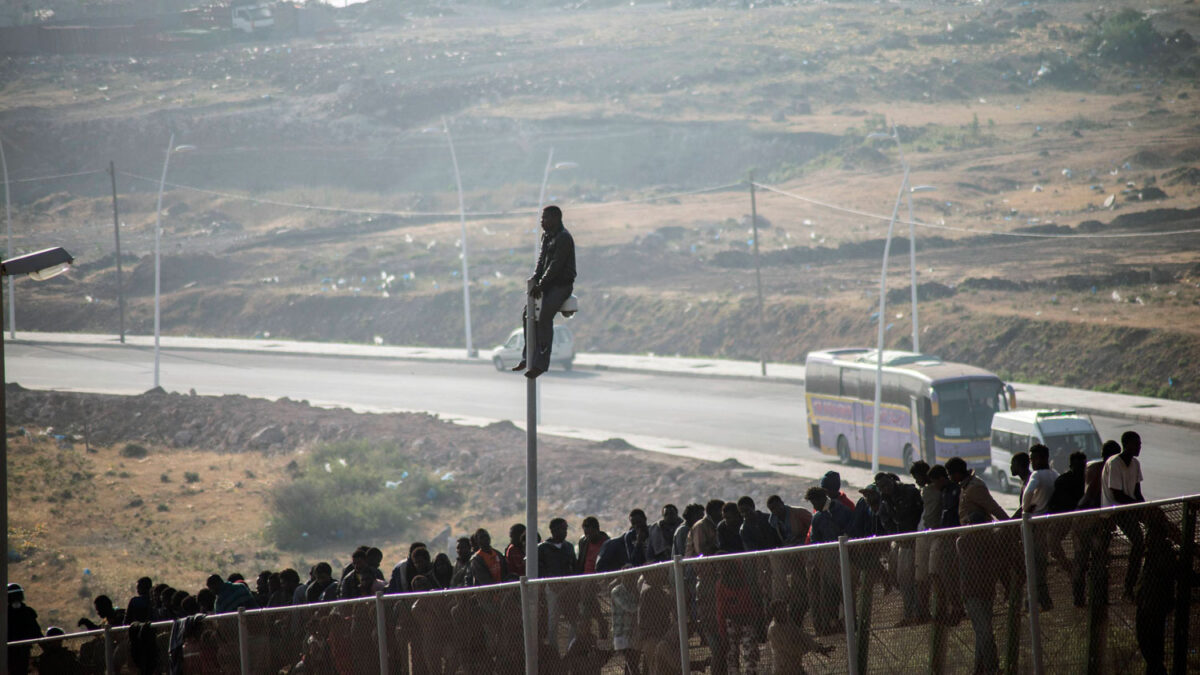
{"x":912,"y":236}
{"x":462,"y":220}
{"x":887,"y":249}
{"x":162,"y":182}
{"x":12,"y":306}
{"x":41,"y":265}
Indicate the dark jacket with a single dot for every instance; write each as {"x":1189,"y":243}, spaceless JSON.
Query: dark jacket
{"x":612,"y":555}
{"x":636,"y":555}
{"x":907,"y":507}
{"x":1068,"y":490}
{"x":232,"y":596}
{"x":556,"y":561}
{"x":757,"y":533}
{"x":728,"y":538}
{"x":825,"y":527}
{"x":556,"y":259}
{"x":581,"y":551}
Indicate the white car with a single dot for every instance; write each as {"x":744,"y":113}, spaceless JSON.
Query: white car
{"x":562,"y":353}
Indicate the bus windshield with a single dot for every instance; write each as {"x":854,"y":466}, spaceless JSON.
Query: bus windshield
{"x":965,"y":407}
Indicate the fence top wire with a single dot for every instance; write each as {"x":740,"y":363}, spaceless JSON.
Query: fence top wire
{"x":34,"y":179}
{"x":952,"y":228}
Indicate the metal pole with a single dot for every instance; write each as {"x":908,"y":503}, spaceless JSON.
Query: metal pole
{"x":848,"y":606}
{"x":685,"y":661}
{"x":531,"y":492}
{"x":8,"y":251}
{"x":758,"y":281}
{"x":157,"y":249}
{"x":112,"y":171}
{"x":912,"y":246}
{"x":1031,"y":583}
{"x":537,"y":245}
{"x":462,"y":219}
{"x":110,"y":663}
{"x":243,"y":642}
{"x":887,"y":249}
{"x":529,"y":625}
{"x":1183,"y":595}
{"x":3,"y":491}
{"x":381,"y":633}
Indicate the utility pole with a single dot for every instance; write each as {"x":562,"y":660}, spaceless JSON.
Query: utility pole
{"x":462,"y":221}
{"x":112,"y":172}
{"x":531,"y":491}
{"x":8,"y":253}
{"x":762,"y":347}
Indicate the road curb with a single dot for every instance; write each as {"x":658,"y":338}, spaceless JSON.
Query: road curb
{"x":433,"y":357}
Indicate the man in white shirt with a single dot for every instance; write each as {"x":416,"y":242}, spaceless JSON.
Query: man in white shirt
{"x":1121,"y":483}
{"x":1035,"y":500}
{"x":1121,"y":480}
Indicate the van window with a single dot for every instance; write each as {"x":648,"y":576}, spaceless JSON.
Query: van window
{"x":1065,"y":444}
{"x":1001,"y":439}
{"x":1020,"y":443}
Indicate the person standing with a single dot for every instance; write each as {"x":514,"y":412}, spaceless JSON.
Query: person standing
{"x":1035,"y":500}
{"x":553,"y":281}
{"x":556,"y":558}
{"x":1121,"y":483}
{"x":22,"y":625}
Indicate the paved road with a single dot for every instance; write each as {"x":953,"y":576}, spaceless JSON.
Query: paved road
{"x":761,"y":417}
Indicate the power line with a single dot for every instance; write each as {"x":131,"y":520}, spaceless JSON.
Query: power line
{"x":951,"y":228}
{"x":55,"y":177}
{"x":423,"y":214}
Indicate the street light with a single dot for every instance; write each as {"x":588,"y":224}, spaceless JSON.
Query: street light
{"x":912,"y":237}
{"x":171,"y":149}
{"x":40,"y":266}
{"x":887,"y":249}
{"x":462,"y":220}
{"x":12,"y":306}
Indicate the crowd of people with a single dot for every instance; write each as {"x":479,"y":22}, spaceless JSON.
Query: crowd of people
{"x":739,"y":607}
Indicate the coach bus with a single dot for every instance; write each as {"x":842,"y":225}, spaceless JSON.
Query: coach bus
{"x":931,"y":409}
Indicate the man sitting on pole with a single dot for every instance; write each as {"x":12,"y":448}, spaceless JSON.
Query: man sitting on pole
{"x":552,"y":281}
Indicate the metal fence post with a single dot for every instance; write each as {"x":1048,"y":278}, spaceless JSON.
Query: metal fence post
{"x":528,"y":627}
{"x":1031,"y":585}
{"x":110,"y":664}
{"x":685,"y":660}
{"x":1183,"y":595}
{"x":848,"y":606}
{"x":381,"y":631}
{"x":243,"y":642}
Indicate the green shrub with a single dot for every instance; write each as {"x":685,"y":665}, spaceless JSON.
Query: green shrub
{"x":1125,"y":36}
{"x":134,"y":451}
{"x":353,"y":491}
{"x":191,"y":476}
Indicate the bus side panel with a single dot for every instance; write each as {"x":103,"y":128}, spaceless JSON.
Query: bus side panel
{"x":834,"y":416}
{"x":977,"y":453}
{"x":895,"y":430}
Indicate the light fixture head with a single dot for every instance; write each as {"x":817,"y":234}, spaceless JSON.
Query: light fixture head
{"x":40,"y":265}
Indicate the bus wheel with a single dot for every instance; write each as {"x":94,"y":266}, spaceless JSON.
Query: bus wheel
{"x":843,"y":448}
{"x":907,"y":456}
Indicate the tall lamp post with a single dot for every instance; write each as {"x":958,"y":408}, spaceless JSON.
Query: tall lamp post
{"x":887,"y":249}
{"x":40,"y":266}
{"x":12,"y":306}
{"x":462,"y":219}
{"x":912,"y":237}
{"x":162,"y":182}
{"x":551,"y":166}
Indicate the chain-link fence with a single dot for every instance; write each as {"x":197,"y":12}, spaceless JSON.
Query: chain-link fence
{"x":1097,"y":591}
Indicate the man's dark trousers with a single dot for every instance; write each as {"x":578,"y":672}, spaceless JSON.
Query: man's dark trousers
{"x":552,"y":299}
